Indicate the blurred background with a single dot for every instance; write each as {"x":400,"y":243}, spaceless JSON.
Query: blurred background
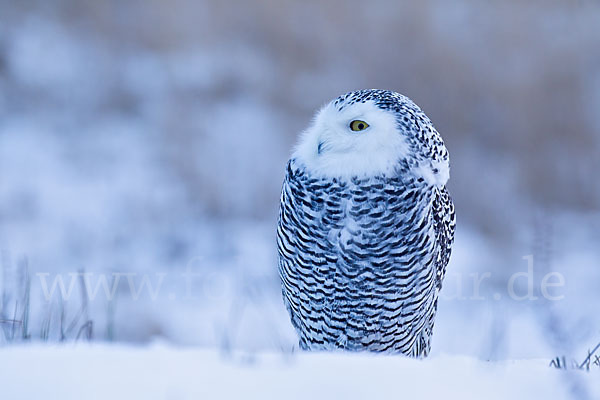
{"x":148,"y":140}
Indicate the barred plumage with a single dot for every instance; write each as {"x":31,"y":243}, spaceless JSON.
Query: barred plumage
{"x":362,"y":255}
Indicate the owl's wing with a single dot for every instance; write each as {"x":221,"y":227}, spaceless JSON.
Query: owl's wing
{"x":287,"y":234}
{"x":444,"y":223}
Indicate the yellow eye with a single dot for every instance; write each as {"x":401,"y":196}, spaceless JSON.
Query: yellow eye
{"x":358,"y":125}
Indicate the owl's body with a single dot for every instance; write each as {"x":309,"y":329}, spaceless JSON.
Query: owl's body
{"x":365,"y":227}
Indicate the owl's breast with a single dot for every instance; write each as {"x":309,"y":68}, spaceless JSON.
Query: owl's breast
{"x":362,"y":273}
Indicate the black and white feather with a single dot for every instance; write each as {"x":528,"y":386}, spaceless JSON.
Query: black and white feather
{"x":366,"y":226}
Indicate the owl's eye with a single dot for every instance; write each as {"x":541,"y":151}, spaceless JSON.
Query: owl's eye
{"x":358,"y":125}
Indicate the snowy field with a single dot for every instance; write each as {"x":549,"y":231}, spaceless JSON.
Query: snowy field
{"x":162,"y":373}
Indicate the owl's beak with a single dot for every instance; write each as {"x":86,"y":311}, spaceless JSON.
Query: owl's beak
{"x":320,"y":147}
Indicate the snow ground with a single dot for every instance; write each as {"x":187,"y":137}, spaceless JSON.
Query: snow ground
{"x":160,"y":372}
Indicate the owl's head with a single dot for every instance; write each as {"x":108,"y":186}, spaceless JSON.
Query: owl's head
{"x":373,"y":132}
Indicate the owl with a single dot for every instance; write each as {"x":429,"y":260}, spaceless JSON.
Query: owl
{"x":366,"y":226}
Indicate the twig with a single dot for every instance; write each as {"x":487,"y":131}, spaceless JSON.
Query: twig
{"x":587,"y":359}
{"x":11,"y":321}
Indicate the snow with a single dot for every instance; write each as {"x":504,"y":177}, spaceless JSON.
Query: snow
{"x":162,"y":372}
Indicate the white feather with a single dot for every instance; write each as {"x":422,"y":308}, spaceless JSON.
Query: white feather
{"x":329,"y":148}
{"x":345,"y":153}
{"x":436,"y":173}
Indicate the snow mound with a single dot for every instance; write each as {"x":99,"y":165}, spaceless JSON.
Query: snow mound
{"x":160,"y":372}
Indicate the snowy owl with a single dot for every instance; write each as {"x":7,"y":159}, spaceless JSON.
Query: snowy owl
{"x":366,"y":226}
